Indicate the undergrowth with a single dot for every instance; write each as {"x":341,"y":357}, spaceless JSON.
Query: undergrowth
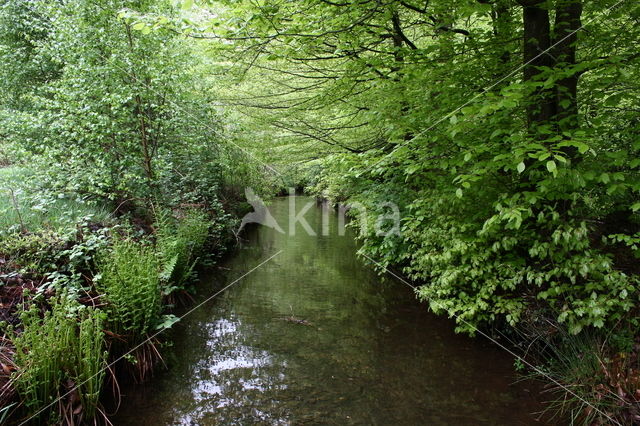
{"x":26,"y":209}
{"x":129,"y":279}
{"x":179,"y":242}
{"x":595,"y":375}
{"x":91,"y":289}
{"x":60,"y":356}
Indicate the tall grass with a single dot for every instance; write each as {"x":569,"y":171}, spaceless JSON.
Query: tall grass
{"x":129,"y":280}
{"x":24,"y":208}
{"x":66,"y":344}
{"x":598,"y":381}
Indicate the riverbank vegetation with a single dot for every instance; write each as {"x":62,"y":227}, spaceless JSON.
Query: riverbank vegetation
{"x":118,"y":179}
{"x":508,"y":134}
{"x":506,"y":131}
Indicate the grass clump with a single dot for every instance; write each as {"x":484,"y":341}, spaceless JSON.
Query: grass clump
{"x":60,"y":355}
{"x":129,"y":280}
{"x":596,"y":376}
{"x":24,"y":208}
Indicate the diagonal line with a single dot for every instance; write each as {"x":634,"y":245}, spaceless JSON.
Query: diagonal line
{"x":208,"y":299}
{"x":491,"y":86}
{"x":500,"y":345}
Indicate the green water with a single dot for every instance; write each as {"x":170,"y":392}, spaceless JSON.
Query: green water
{"x":366,"y":353}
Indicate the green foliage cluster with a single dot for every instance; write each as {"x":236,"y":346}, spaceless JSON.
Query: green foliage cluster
{"x":25,"y":206}
{"x":516,"y":173}
{"x":67,"y":344}
{"x":179,"y":242}
{"x":103,"y":122}
{"x":135,"y":277}
{"x":130,"y":281}
{"x":49,"y":236}
{"x":124,"y":116}
{"x":33,"y":252}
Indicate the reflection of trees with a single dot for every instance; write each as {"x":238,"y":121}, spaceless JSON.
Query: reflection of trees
{"x":316,"y":278}
{"x":370,"y":352}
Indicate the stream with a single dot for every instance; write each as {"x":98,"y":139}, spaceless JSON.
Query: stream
{"x":315,"y":336}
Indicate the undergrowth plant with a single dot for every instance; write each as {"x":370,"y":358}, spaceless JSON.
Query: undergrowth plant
{"x":61,"y":351}
{"x":596,"y":375}
{"x":91,"y":360}
{"x":33,"y":252}
{"x":179,"y":241}
{"x":129,"y":280}
{"x":27,"y":207}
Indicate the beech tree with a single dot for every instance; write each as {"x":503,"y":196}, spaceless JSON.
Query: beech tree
{"x":496,"y":125}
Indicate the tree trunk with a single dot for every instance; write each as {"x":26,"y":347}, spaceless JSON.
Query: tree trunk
{"x":502,"y":31}
{"x":568,"y":21}
{"x":537,"y":40}
{"x":144,"y":140}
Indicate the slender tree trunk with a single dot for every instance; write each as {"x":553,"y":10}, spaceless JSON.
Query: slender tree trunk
{"x":144,"y":140}
{"x":502,"y":31}
{"x":568,"y":21}
{"x":537,"y":41}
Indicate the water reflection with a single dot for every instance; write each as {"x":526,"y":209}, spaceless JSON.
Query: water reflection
{"x":315,"y":337}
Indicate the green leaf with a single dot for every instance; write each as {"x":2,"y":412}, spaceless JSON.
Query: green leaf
{"x":412,"y":169}
{"x":521,"y":167}
{"x":582,"y":147}
{"x":166,"y":322}
{"x":551,"y":166}
{"x":187,"y":4}
{"x":614,"y":100}
{"x":459,"y":192}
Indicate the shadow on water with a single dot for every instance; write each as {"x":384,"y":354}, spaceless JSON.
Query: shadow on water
{"x":316,"y":337}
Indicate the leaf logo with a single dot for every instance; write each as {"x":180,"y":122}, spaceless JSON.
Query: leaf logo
{"x":261,"y":213}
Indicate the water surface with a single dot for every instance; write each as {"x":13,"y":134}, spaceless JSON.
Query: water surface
{"x":315,"y":337}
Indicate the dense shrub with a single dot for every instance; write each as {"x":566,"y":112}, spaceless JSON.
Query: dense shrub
{"x":484,"y":243}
